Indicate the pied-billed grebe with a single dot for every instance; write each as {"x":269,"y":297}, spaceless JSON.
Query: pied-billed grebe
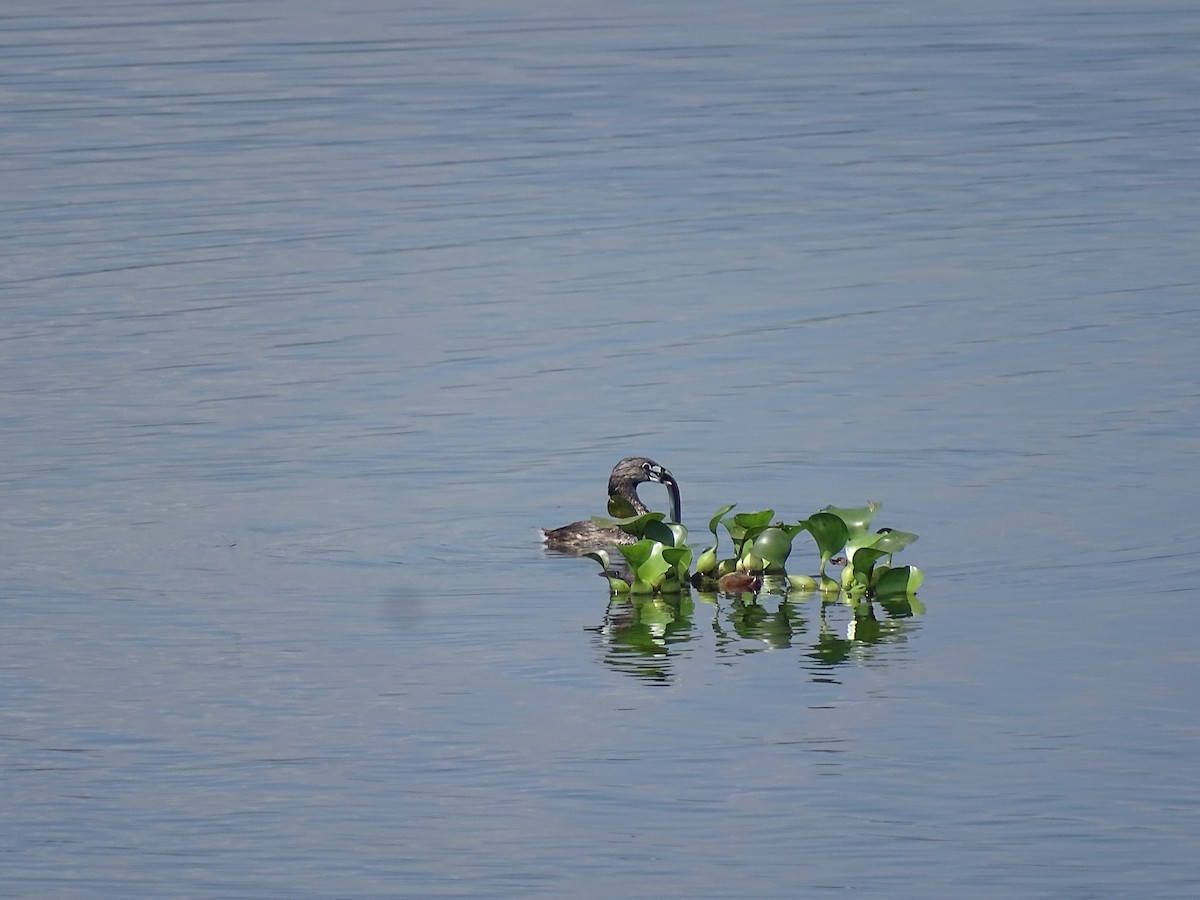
{"x":580,"y":537}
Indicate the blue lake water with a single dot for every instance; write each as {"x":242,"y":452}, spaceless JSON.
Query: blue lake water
{"x":310,"y":316}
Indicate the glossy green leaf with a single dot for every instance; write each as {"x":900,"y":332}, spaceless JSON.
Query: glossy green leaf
{"x":621,"y":508}
{"x":740,"y":525}
{"x":657,"y":530}
{"x":888,"y":540}
{"x":759,"y":519}
{"x":716,"y":519}
{"x":863,"y":560}
{"x":857,"y":519}
{"x":680,"y":559}
{"x":848,"y":579}
{"x":600,"y":556}
{"x":901,"y":580}
{"x":634,"y":525}
{"x":646,"y":561}
{"x":750,"y":562}
{"x":830,"y":533}
{"x":773,"y":546}
{"x":629,"y":520}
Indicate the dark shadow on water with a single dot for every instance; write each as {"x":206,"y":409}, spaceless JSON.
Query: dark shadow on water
{"x":646,"y":636}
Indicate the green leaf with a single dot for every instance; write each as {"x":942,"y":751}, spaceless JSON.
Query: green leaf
{"x":646,"y":562}
{"x":635,"y":525}
{"x":773,"y":546}
{"x":620,"y":508}
{"x":889,"y":540}
{"x":740,"y":525}
{"x":901,"y":580}
{"x":857,"y":519}
{"x":830,"y":533}
{"x":750,"y":563}
{"x":759,"y":519}
{"x":657,"y":530}
{"x":680,"y":558}
{"x":864,"y":559}
{"x":600,"y":556}
{"x":680,"y":533}
{"x":716,"y":519}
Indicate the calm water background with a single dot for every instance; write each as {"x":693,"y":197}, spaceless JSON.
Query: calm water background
{"x":310,"y":313}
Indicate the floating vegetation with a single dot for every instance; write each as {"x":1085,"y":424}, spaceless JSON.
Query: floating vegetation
{"x":659,"y":563}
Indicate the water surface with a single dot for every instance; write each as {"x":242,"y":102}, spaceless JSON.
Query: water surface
{"x":310,"y":317}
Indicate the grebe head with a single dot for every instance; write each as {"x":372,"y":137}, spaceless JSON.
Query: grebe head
{"x":634,"y":470}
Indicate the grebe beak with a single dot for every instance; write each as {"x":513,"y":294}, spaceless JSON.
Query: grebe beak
{"x":658,"y":474}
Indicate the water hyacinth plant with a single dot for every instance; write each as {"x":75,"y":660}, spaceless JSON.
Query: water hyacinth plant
{"x":659,"y":563}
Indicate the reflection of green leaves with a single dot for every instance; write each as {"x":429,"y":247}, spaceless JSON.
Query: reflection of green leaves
{"x":655,"y":612}
{"x":902,"y":606}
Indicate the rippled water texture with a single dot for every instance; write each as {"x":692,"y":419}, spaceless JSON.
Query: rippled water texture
{"x":311,"y":313}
